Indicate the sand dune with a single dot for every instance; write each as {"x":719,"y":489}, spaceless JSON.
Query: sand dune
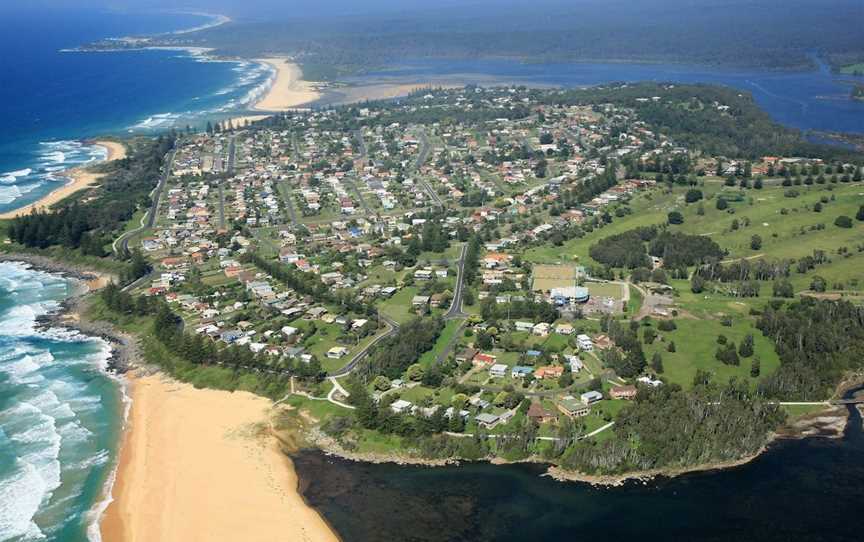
{"x":200,"y":465}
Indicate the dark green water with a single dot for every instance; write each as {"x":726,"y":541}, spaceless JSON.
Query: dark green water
{"x":811,"y":489}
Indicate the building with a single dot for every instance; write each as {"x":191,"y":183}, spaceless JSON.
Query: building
{"x":549,"y":371}
{"x":591,"y":397}
{"x":401,"y":406}
{"x":337,"y":352}
{"x":521,"y":371}
{"x":539,"y":414}
{"x":564,"y":329}
{"x":585,"y":343}
{"x":623,"y":392}
{"x":481,"y":359}
{"x":420,"y":301}
{"x":499,"y":370}
{"x":487,"y":420}
{"x":524,"y":326}
{"x":541,"y":329}
{"x":572,"y":408}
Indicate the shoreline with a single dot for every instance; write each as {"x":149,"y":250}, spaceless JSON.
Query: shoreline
{"x":829,"y":422}
{"x":79,"y":178}
{"x":287,"y":90}
{"x":177,"y":438}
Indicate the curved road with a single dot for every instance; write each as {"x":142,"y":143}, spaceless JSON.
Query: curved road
{"x":149,"y":219}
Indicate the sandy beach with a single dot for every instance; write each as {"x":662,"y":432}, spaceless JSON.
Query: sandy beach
{"x":80,"y":178}
{"x":201,"y":465}
{"x":289,"y":90}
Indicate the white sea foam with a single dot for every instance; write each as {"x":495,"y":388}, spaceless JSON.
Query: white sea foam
{"x":20,"y":497}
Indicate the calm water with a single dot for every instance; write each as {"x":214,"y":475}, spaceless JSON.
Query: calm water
{"x":798,"y":490}
{"x":816,"y":100}
{"x":60,"y":414}
{"x":50,"y":100}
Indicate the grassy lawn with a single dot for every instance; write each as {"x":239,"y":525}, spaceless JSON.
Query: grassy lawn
{"x":696,"y":344}
{"x":604,"y":289}
{"x":635,"y":302}
{"x":443,"y":340}
{"x":648,"y":208}
{"x":398,"y":307}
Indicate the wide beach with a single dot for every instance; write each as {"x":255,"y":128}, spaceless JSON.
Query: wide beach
{"x":202,"y":465}
{"x":81,"y":178}
{"x":289,"y":90}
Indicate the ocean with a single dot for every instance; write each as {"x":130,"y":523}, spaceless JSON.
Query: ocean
{"x":60,"y":414}
{"x":54,"y":100}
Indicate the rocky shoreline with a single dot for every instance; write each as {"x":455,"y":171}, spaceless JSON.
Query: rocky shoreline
{"x":125,"y":352}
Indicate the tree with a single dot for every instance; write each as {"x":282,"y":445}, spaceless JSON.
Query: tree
{"x":722,"y":204}
{"x":415,"y":372}
{"x":746,"y":348}
{"x":671,"y":346}
{"x":755,"y":242}
{"x":755,"y":367}
{"x":818,"y":284}
{"x":697,"y":284}
{"x":757,"y":184}
{"x":843,"y":221}
{"x":675,"y":217}
{"x":860,"y":214}
{"x":565,"y":380}
{"x":657,"y":362}
{"x":783,"y":288}
{"x":693,"y":195}
{"x":381,"y":383}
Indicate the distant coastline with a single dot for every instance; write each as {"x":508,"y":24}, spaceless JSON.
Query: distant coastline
{"x":79,"y":179}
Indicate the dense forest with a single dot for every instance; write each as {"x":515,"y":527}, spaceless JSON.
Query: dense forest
{"x":678,"y":250}
{"x":392,"y":355}
{"x":817,"y":341}
{"x":669,"y":427}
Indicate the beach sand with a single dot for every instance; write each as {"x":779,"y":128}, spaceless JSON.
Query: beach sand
{"x":289,"y":90}
{"x":80,"y":178}
{"x":201,"y":465}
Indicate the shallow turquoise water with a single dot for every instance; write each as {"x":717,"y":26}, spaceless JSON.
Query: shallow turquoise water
{"x":60,"y":415}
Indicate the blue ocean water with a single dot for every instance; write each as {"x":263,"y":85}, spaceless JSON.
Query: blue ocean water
{"x":60,"y":414}
{"x":810,"y":100}
{"x":53,"y":100}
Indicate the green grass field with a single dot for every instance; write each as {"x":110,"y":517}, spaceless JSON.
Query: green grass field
{"x":696,"y":344}
{"x":398,"y":307}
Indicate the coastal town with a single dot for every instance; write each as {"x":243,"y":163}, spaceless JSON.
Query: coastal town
{"x":309,"y":240}
{"x":459,"y":271}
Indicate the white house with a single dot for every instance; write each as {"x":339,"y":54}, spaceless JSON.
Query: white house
{"x":337,"y":352}
{"x":498,"y":370}
{"x":524,"y":326}
{"x":591,"y":397}
{"x":400,"y":406}
{"x":541,"y":329}
{"x":585,"y":343}
{"x":289,"y":331}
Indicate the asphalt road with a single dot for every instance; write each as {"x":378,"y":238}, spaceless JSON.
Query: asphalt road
{"x":392,"y":326}
{"x":456,"y":305}
{"x":121,"y":244}
{"x":422,"y":156}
